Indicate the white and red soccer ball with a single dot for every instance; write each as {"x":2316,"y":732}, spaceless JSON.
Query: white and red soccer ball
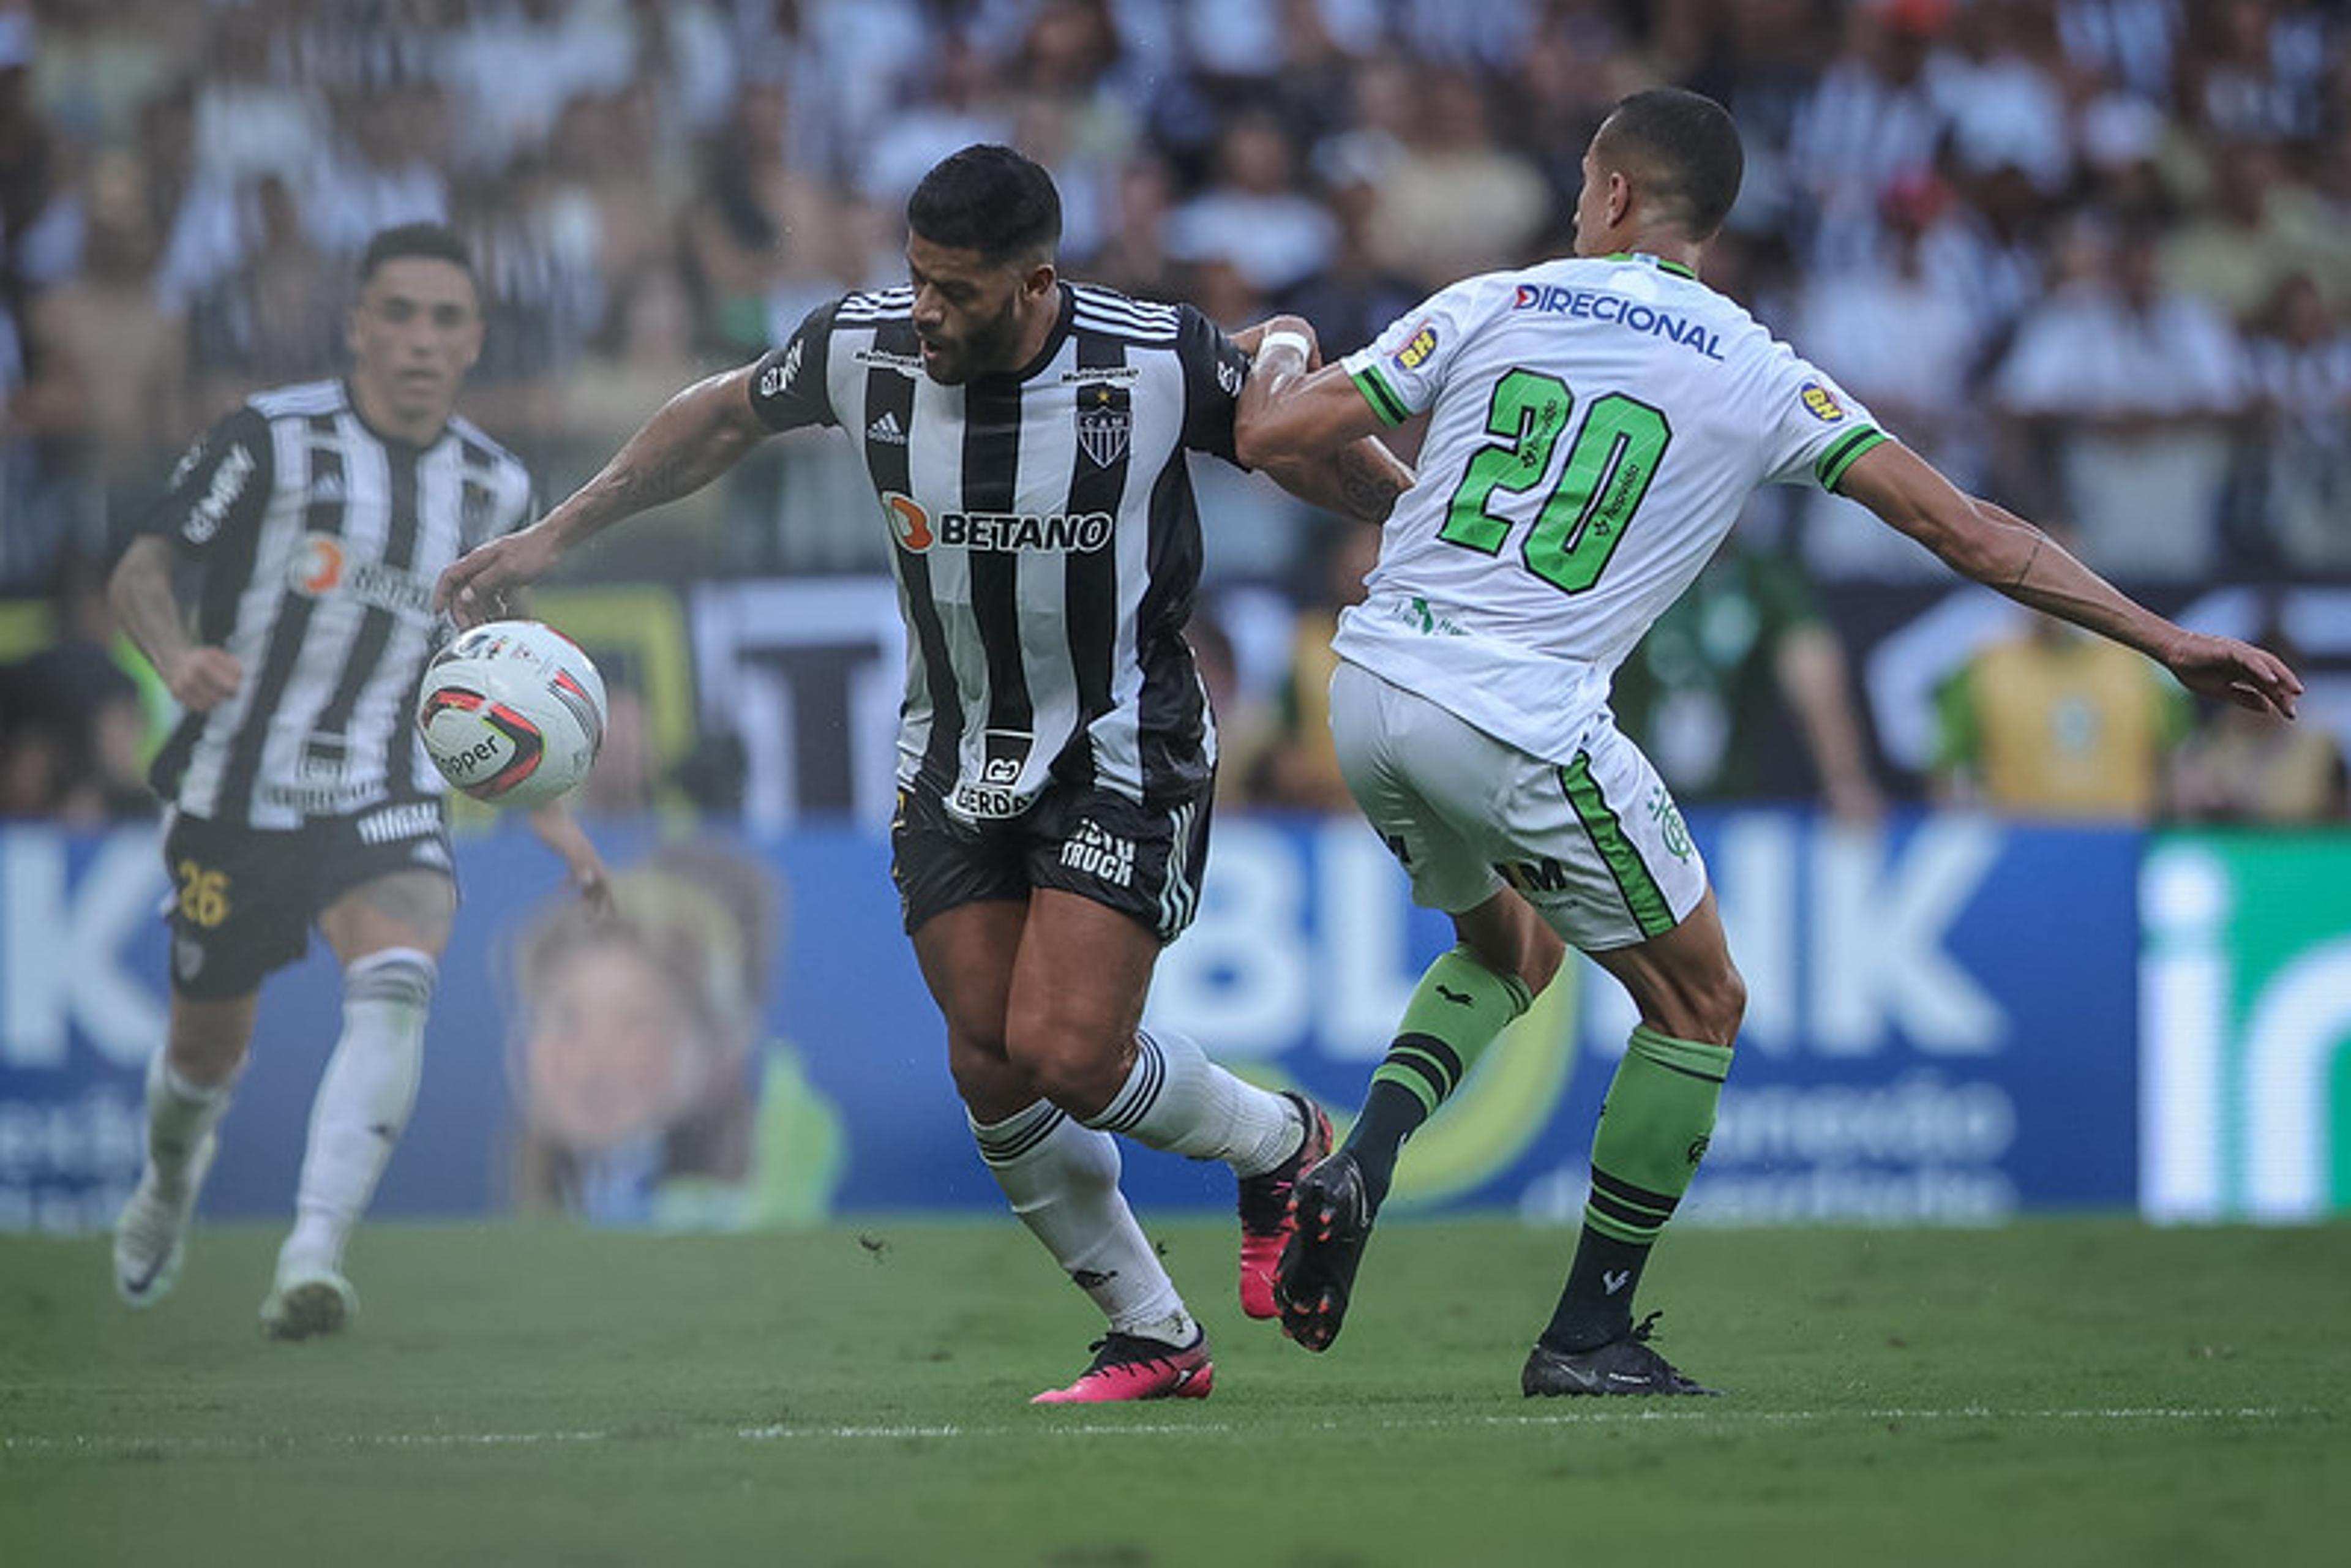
{"x":512,"y":712}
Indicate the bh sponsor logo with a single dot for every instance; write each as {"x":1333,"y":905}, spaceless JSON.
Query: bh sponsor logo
{"x":1820,"y":403}
{"x":1417,"y":348}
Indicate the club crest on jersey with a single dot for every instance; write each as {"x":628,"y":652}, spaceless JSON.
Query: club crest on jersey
{"x":1417,"y":348}
{"x":1105,"y":424}
{"x":1820,"y":403}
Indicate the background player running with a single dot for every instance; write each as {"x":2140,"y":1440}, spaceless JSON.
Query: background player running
{"x":317,"y":518}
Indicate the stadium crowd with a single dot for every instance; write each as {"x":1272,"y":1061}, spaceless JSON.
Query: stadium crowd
{"x":2091,"y":256}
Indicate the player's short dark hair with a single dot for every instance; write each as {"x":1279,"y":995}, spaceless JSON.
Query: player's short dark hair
{"x":987,"y":199}
{"x":1687,"y":145}
{"x":428,"y":242}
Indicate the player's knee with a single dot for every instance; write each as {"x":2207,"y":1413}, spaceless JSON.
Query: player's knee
{"x":398,"y":977}
{"x":1721,"y":1004}
{"x":1070,"y":1067}
{"x":1539,"y":962}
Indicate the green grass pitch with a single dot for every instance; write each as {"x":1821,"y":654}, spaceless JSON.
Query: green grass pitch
{"x":2053,"y":1392}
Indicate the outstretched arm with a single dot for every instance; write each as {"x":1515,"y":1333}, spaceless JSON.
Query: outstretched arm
{"x":1328,"y":462}
{"x":2001,"y":551}
{"x":697,"y":436}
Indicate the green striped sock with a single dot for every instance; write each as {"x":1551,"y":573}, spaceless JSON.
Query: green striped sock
{"x":1654,"y":1128}
{"x":1455,"y":1012}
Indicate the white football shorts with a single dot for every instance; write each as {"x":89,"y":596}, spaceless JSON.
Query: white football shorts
{"x":1593,"y":842}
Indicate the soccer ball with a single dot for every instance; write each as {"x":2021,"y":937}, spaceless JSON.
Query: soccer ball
{"x":512,"y":712}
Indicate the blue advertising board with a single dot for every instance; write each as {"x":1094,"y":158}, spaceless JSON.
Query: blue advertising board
{"x":1941,"y":1028}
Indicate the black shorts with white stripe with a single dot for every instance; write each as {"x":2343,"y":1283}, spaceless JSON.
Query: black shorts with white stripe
{"x":1145,"y":861}
{"x":243,"y":900}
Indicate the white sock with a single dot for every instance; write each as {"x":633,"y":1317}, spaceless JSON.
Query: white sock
{"x":178,"y":1115}
{"x":363,"y":1100}
{"x":1061,"y":1179}
{"x":1178,"y":1100}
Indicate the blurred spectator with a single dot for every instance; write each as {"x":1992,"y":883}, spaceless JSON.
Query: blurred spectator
{"x":2051,"y":723}
{"x":1871,"y":119}
{"x":755,"y":221}
{"x":2126,"y":391}
{"x":1455,"y":201}
{"x":2250,"y":769}
{"x":379,"y":171}
{"x":1252,"y":215}
{"x":1133,"y":257}
{"x":1351,"y":299}
{"x":2001,"y":91}
{"x":111,"y":364}
{"x":274,"y":318}
{"x":2260,"y":229}
{"x":2255,"y":68}
{"x":1905,"y":344}
{"x":2301,"y":368}
{"x":1707,"y":692}
{"x":649,"y":1094}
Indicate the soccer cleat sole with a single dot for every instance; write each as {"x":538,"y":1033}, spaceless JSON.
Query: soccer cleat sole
{"x":308,"y":1309}
{"x":1331,"y":1225}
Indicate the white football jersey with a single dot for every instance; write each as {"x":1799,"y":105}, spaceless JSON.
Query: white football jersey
{"x":1598,"y":426}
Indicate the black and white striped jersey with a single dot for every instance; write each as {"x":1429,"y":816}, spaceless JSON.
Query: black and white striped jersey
{"x":1047,"y":543}
{"x":318,"y":541}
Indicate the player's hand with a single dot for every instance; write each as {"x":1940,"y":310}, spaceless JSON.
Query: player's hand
{"x":1249,"y":339}
{"x":204,"y":678}
{"x":478,"y":585}
{"x":595,"y":885}
{"x":2251,"y":677}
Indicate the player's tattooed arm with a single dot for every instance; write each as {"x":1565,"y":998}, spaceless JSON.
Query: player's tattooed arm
{"x":1371,"y":477}
{"x":697,"y":436}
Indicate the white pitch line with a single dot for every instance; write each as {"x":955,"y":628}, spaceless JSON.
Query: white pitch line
{"x":1210,"y":1427}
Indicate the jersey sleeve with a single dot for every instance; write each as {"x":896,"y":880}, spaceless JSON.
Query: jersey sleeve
{"x":1400,"y":372}
{"x":790,"y":385}
{"x":1214,"y":371}
{"x":1816,"y":428}
{"x":220,"y":486}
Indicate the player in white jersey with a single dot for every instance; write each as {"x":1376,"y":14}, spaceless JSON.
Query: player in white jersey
{"x":317,"y":518}
{"x":1026,"y":440}
{"x":1595,"y":425}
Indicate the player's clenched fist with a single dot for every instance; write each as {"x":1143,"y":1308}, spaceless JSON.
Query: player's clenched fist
{"x":203,"y":678}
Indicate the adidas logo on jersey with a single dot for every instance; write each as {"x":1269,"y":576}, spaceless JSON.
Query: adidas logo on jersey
{"x":886,"y":430}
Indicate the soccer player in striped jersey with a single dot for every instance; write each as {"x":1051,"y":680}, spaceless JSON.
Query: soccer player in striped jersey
{"x":315,"y":518}
{"x":1026,"y":441}
{"x":1596,"y":424}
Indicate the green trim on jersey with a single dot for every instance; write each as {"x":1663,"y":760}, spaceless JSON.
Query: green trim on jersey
{"x":1675,"y":267}
{"x":1381,"y":396}
{"x":1832,"y":463}
{"x":1643,"y":896}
